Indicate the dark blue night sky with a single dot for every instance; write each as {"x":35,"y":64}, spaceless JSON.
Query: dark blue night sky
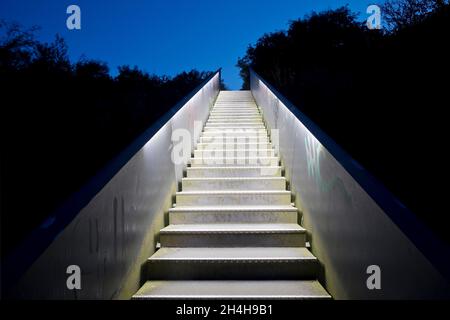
{"x":166,"y":36}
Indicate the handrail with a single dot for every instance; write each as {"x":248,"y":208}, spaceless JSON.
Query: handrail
{"x":15,"y":265}
{"x":431,"y":247}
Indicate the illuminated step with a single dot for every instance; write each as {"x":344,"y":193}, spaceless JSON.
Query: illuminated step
{"x":248,"y":104}
{"x":235,"y":124}
{"x":235,"y":118}
{"x":253,"y":113}
{"x":235,"y":114}
{"x":232,"y":264}
{"x":234,"y":104}
{"x":233,"y":135}
{"x":235,"y":131}
{"x":226,"y":120}
{"x":233,"y":289}
{"x":232,"y":152}
{"x":232,"y":109}
{"x":234,"y":146}
{"x":233,"y":235}
{"x":230,"y":138}
{"x":233,"y":214}
{"x":236,"y":183}
{"x":258,"y":129}
{"x":211,"y":172}
{"x":241,"y":118}
{"x":228,"y":161}
{"x":233,"y":198}
{"x":218,"y":112}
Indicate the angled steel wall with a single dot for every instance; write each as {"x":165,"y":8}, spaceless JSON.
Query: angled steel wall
{"x":115,"y":230}
{"x":353,"y":221}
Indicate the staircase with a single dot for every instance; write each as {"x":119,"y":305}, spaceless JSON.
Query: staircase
{"x":233,"y":233}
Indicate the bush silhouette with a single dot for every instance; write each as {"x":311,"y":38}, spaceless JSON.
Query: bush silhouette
{"x":379,"y":94}
{"x":61,"y":122}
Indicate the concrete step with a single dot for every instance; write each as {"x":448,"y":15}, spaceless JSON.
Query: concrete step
{"x":233,"y":198}
{"x":216,"y":172}
{"x":234,"y":120}
{"x":237,"y":119}
{"x":235,"y":132}
{"x":233,"y":235}
{"x":231,"y":161}
{"x":256,"y":183}
{"x":234,"y":146}
{"x":230,"y":95}
{"x":233,"y":109}
{"x":249,"y":114}
{"x":233,"y":126}
{"x":235,"y":105}
{"x":232,"y":289}
{"x":232,"y":264}
{"x":238,"y":102}
{"x":234,"y":98}
{"x":233,"y":137}
{"x":235,"y":116}
{"x":256,"y":128}
{"x":233,"y":214}
{"x":235,"y":112}
{"x":232,"y":152}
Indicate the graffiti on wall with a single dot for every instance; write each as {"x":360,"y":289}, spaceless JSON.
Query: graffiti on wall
{"x":314,"y":153}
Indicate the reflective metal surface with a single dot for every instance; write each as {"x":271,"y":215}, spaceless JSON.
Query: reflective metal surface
{"x":117,"y":230}
{"x":349,"y":231}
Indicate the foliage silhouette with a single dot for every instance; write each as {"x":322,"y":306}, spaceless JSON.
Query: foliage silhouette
{"x":379,"y":94}
{"x":61,"y":122}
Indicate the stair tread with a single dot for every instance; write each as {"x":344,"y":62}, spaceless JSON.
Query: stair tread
{"x":221,"y":126}
{"x":237,"y":150}
{"x":234,"y":227}
{"x":234,"y":208}
{"x":232,"y":146}
{"x":235,"y":178}
{"x":232,"y":192}
{"x":234,"y":168}
{"x":234,"y":253}
{"x":263,"y":156}
{"x":233,"y":289}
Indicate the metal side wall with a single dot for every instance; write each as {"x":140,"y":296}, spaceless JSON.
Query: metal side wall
{"x":114,"y":234}
{"x":347,"y":228}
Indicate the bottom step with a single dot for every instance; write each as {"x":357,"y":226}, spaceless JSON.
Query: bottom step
{"x":305,"y":289}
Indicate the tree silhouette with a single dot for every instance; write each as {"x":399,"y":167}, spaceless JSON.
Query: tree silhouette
{"x":61,"y":122}
{"x":379,"y":94}
{"x":399,"y":14}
